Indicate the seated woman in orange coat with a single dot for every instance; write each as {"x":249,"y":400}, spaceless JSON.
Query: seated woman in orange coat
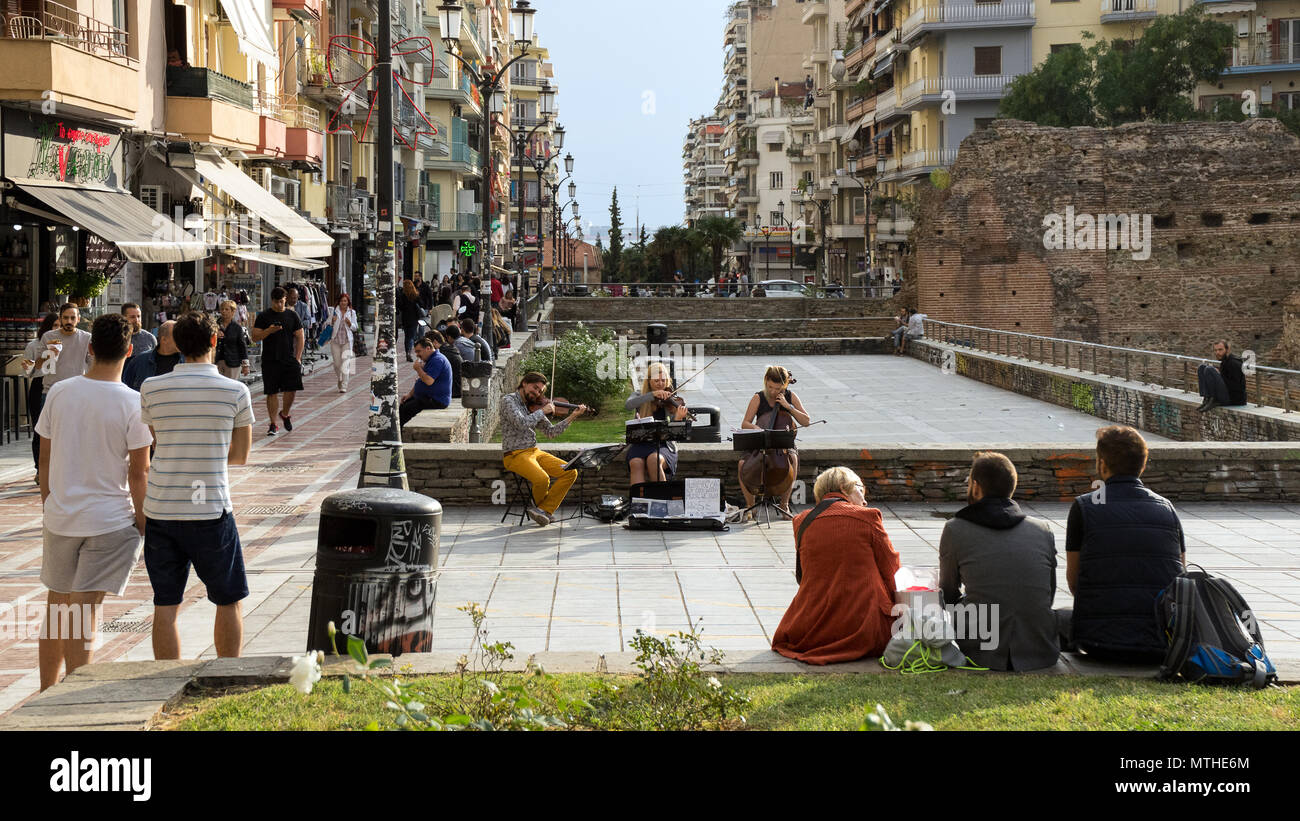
{"x":845,"y":565}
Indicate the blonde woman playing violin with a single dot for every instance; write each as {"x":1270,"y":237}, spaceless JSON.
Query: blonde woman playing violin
{"x":652,"y":462}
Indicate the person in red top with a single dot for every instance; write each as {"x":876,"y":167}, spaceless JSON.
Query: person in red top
{"x":497,"y":290}
{"x":845,"y":565}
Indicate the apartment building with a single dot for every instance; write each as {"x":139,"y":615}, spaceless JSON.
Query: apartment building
{"x":779,"y":155}
{"x":534,"y":124}
{"x":704,"y":169}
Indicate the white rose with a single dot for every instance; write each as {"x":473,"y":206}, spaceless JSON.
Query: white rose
{"x":305,"y":673}
{"x":714,"y":683}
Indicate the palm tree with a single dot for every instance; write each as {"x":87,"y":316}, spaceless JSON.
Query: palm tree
{"x":718,"y":233}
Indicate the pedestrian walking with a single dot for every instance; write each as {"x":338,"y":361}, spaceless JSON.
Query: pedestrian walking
{"x":159,"y":361}
{"x":232,"y":344}
{"x":281,"y":333}
{"x":34,"y":357}
{"x":343,"y":320}
{"x":93,"y":468}
{"x":142,"y":342}
{"x":66,"y":354}
{"x":408,"y":314}
{"x":203,"y":422}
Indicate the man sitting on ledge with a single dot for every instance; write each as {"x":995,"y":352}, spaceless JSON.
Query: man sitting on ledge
{"x":1123,"y":545}
{"x":1223,"y":386}
{"x":520,"y":454}
{"x":432,"y":388}
{"x":1007,"y":562}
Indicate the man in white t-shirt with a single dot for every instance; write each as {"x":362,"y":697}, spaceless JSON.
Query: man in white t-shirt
{"x":915,"y":326}
{"x":94,"y":467}
{"x":66,"y":354}
{"x":202,"y":422}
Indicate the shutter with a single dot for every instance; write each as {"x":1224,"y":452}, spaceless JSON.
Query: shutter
{"x":988,"y":60}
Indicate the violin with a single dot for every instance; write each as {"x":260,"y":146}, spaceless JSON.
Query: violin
{"x":559,"y":403}
{"x":672,"y":403}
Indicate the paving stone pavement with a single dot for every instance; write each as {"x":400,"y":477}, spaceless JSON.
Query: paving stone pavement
{"x":576,"y":586}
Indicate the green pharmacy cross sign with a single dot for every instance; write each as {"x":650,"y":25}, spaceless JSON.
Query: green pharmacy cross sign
{"x":468,"y":249}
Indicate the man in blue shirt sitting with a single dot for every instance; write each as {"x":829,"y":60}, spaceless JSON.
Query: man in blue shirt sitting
{"x":432,"y":389}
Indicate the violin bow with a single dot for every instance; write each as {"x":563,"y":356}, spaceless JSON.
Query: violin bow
{"x":555,"y":346}
{"x":697,"y":373}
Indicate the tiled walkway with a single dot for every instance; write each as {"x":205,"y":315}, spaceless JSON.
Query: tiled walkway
{"x":580,"y":585}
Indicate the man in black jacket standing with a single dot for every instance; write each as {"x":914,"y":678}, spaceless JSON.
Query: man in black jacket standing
{"x":1225,"y":385}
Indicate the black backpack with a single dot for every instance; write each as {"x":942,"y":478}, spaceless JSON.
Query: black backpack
{"x":1213,"y":634}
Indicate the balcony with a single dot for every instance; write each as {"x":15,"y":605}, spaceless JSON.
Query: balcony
{"x":455,"y":222}
{"x":332,"y":80}
{"x":852,"y":7}
{"x":1119,"y":11}
{"x":886,"y":105}
{"x":302,"y":10}
{"x":927,"y":158}
{"x":459,"y":89}
{"x":205,"y":106}
{"x":82,"y":60}
{"x":969,"y":15}
{"x":890,"y":229}
{"x":460,"y":157}
{"x":812,"y":10}
{"x":860,"y":107}
{"x":749,"y":157}
{"x":857,"y":56}
{"x":822,"y":99}
{"x":930,"y":90}
{"x":1263,"y":57}
{"x":272,"y":131}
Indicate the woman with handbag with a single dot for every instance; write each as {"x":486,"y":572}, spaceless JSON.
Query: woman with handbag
{"x":232,"y":343}
{"x":408,"y":314}
{"x":341,"y":327}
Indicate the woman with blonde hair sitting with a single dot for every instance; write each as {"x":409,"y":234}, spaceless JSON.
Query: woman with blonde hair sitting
{"x":652,"y":462}
{"x":845,"y":566}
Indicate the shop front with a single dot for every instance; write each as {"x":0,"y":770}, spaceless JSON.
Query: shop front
{"x":71,"y":230}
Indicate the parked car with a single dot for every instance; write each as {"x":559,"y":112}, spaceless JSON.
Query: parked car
{"x":785,"y":288}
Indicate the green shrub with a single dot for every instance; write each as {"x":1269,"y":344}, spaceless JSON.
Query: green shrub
{"x":579,"y":375}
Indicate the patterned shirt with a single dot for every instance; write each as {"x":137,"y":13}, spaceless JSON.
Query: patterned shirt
{"x":193,"y":411}
{"x":519,"y":427}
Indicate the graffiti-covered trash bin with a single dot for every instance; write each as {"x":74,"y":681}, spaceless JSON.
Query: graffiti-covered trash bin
{"x":376,"y":570}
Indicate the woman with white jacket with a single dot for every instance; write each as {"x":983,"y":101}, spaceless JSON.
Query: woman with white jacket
{"x":344,"y":322}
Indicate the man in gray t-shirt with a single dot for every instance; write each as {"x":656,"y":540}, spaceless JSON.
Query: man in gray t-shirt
{"x":67,"y":349}
{"x":142,"y":341}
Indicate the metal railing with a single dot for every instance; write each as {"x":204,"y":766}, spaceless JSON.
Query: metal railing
{"x":1128,"y":6}
{"x":971,"y":12}
{"x":1263,"y":54}
{"x":462,"y":221}
{"x":1273,"y":387}
{"x":678,"y":290}
{"x":47,"y":20}
{"x":297,"y":115}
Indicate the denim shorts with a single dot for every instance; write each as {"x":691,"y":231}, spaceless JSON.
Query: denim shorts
{"x":212,"y":546}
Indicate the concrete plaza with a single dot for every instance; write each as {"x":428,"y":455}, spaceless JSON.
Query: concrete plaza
{"x":586,"y":586}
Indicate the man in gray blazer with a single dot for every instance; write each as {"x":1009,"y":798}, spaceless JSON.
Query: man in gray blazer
{"x":1003,"y":558}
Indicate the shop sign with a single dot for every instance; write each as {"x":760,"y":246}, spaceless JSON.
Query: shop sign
{"x":60,"y":149}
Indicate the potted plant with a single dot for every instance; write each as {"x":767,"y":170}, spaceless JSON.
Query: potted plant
{"x":316,"y":67}
{"x":79,"y":286}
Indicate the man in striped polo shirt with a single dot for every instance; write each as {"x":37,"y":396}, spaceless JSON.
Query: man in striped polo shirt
{"x":201,"y":423}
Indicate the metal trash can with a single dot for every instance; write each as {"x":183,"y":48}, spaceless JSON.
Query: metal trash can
{"x":376,"y":570}
{"x":475,"y":384}
{"x":710,"y":431}
{"x":656,"y":333}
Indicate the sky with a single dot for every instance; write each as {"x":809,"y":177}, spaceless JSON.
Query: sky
{"x":631,"y":75}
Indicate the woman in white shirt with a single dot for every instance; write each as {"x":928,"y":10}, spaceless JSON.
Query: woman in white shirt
{"x":344,"y":322}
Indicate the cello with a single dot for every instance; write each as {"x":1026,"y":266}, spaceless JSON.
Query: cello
{"x":770,"y":472}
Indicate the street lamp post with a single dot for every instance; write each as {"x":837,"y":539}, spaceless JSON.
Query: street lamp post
{"x":521,"y":146}
{"x":780,"y":210}
{"x":767,"y":245}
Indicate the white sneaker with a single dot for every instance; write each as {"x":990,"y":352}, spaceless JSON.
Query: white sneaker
{"x":541,"y":517}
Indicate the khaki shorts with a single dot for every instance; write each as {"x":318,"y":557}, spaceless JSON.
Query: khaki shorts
{"x":86,"y":564}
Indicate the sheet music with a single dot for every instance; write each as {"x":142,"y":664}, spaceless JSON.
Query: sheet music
{"x":701,"y":497}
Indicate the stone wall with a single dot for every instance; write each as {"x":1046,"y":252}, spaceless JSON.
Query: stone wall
{"x":473,"y":475}
{"x":1224,"y":203}
{"x":1169,"y":413}
{"x":662,"y":309}
{"x":800,"y":346}
{"x":685,"y":326}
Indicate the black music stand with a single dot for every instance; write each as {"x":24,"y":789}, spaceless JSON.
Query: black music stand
{"x":764,"y":439}
{"x":590,"y":459}
{"x":657,"y":432}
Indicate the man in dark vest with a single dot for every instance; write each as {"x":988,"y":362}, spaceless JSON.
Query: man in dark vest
{"x":1123,"y":545}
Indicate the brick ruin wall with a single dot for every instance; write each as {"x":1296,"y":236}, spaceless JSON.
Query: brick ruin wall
{"x":1225,"y":247}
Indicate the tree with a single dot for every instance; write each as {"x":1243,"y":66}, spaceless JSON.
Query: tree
{"x":1119,"y":81}
{"x":613,"y":257}
{"x":718,"y":233}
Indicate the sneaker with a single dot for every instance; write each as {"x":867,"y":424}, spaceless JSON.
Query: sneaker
{"x":288,"y":423}
{"x":273,"y":430}
{"x":1210,"y":404}
{"x":541,"y":517}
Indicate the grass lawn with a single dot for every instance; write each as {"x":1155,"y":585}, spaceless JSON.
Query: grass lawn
{"x":605,"y":429}
{"x":949,"y":701}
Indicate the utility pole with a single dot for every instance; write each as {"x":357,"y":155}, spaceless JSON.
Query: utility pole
{"x":383,"y":463}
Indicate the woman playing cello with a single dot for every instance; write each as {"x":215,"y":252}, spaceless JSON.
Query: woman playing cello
{"x":776,"y":407}
{"x":653,"y":462}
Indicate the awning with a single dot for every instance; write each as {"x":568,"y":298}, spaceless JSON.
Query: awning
{"x":883,"y":66}
{"x":883,"y":133}
{"x":773,"y":137}
{"x":281,"y":260}
{"x":853,"y":131}
{"x":251,"y":20}
{"x":1228,"y":8}
{"x":305,"y":239}
{"x":139,"y":232}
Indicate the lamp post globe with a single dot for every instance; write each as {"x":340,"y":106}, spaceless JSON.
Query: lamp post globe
{"x":521,"y":18}
{"x":449,"y":16}
{"x":559,"y":137}
{"x":568,"y":163}
{"x":573,"y":190}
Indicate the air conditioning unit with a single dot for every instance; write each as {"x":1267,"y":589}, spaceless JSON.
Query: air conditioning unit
{"x":905,"y":129}
{"x":1243,"y":27}
{"x":156,"y":197}
{"x":262,"y":176}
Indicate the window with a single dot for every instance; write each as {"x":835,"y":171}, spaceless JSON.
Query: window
{"x":1059,"y":47}
{"x":1286,"y":41}
{"x":1288,"y":100}
{"x":988,"y":60}
{"x":778,"y":219}
{"x":774,"y":146}
{"x":1209,"y":101}
{"x":776,"y":180}
{"x":808,"y":177}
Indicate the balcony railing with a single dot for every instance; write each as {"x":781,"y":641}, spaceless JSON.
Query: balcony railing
{"x":188,"y":81}
{"x":47,"y":20}
{"x":296,"y":115}
{"x":886,"y":103}
{"x":926,"y":157}
{"x":969,"y":13}
{"x":460,"y":221}
{"x":464,"y":154}
{"x":1263,"y":54}
{"x":268,"y":104}
{"x":964,"y":86}
{"x":1123,"y":9}
{"x":528,"y":81}
{"x":860,"y":108}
